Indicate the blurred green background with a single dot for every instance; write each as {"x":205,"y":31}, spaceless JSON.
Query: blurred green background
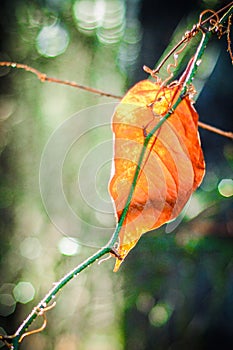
{"x":175,"y":289}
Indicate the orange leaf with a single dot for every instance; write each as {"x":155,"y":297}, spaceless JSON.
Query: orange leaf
{"x":172,"y":166}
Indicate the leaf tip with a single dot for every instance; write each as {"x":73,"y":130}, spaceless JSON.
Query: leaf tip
{"x":117,"y":265}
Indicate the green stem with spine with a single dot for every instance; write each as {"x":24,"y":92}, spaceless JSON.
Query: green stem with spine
{"x":108,"y":248}
{"x":188,"y":80}
{"x":14,"y":340}
{"x":193,"y":69}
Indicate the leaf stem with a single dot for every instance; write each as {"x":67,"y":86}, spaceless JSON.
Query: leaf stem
{"x":188,"y":80}
{"x":43,"y":304}
{"x":206,"y":35}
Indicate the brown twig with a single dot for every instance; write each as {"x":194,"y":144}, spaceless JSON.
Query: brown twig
{"x":208,"y":127}
{"x":43,"y":77}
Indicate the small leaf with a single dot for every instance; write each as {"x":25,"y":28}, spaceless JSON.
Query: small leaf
{"x":171,"y":168}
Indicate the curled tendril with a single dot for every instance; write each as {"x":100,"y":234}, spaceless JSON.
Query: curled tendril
{"x":7,"y":339}
{"x":40,"y":312}
{"x":153,"y":74}
{"x":211,"y":23}
{"x":175,"y":63}
{"x":213,"y":20}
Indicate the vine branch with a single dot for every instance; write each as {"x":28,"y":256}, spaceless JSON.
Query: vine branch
{"x":43,"y":78}
{"x":13,"y":341}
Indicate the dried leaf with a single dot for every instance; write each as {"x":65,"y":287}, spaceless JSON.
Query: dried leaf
{"x":172,"y":166}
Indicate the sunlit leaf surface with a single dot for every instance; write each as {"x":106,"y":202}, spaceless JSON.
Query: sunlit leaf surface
{"x":172,"y":166}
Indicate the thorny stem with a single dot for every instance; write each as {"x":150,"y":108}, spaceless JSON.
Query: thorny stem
{"x":52,"y":293}
{"x":187,"y":82}
{"x":193,"y":69}
{"x":13,"y":341}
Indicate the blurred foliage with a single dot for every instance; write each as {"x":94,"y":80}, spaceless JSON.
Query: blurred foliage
{"x":175,"y":289}
{"x":34,"y":253}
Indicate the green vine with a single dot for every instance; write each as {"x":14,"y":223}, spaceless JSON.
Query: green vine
{"x":14,"y":341}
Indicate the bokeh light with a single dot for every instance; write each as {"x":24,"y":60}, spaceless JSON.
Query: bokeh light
{"x":88,"y":14}
{"x":103,"y":18}
{"x":173,"y":289}
{"x":7,"y":302}
{"x":130,"y":45}
{"x":52,"y":40}
{"x":145,"y":302}
{"x":24,"y":292}
{"x":225,"y":187}
{"x":68,"y":246}
{"x":30,"y":248}
{"x":160,"y":314}
{"x":112,"y":25}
